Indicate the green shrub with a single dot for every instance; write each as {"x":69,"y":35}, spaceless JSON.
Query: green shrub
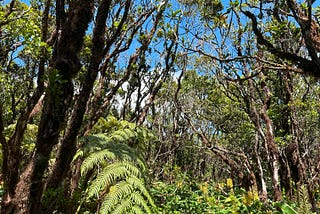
{"x":186,"y":195}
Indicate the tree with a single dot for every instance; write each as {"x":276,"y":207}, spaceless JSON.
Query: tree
{"x":65,"y":71}
{"x":299,"y":21}
{"x":247,"y":63}
{"x":113,"y":172}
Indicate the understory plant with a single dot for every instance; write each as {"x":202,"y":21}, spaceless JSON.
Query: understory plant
{"x":187,"y":195}
{"x":113,"y":173}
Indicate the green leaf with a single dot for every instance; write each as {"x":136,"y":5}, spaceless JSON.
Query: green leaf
{"x":286,"y":209}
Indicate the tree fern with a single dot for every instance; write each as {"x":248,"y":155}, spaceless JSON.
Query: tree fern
{"x":132,"y":188}
{"x":122,"y":208}
{"x":137,"y":210}
{"x":110,"y":175}
{"x":124,"y":131}
{"x":116,"y":195}
{"x":136,"y":182}
{"x":302,"y":200}
{"x":115,"y":169}
{"x":113,"y":151}
{"x":138,"y":199}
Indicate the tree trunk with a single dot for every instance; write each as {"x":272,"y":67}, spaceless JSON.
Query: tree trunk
{"x":263,"y":193}
{"x":28,"y":191}
{"x":273,"y":154}
{"x":68,"y":144}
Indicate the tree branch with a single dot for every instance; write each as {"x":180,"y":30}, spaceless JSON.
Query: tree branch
{"x":308,"y":66}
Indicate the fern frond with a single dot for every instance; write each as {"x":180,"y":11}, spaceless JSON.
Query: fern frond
{"x":105,"y":125}
{"x":139,"y":185}
{"x":123,"y":189}
{"x":134,"y":171}
{"x":137,"y":210}
{"x":95,"y":141}
{"x":123,"y":207}
{"x":138,"y":199}
{"x":122,"y":150}
{"x":118,"y":168}
{"x":96,"y":159}
{"x":110,"y":201}
{"x":304,"y":205}
{"x":103,"y":138}
{"x":123,"y":135}
{"x":109,"y":175}
{"x":79,"y":154}
{"x":125,"y":123}
{"x":102,"y":150}
{"x":115,"y":195}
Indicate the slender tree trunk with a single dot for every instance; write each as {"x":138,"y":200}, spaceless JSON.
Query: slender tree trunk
{"x":68,"y":144}
{"x":267,"y":135}
{"x":271,"y":146}
{"x":28,"y":191}
{"x":263,"y":193}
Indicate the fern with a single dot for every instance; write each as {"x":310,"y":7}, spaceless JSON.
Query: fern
{"x":116,"y":169}
{"x":117,"y":201}
{"x":138,"y":199}
{"x":111,"y":174}
{"x":137,"y":210}
{"x":302,"y":200}
{"x":136,"y":182}
{"x":112,"y":151}
{"x":122,"y":208}
{"x":117,"y":194}
{"x":96,"y":159}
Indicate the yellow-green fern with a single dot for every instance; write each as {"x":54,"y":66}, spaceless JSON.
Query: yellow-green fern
{"x":302,"y":200}
{"x":115,"y":171}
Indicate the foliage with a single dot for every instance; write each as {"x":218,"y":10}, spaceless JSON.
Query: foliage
{"x":230,"y":91}
{"x":20,"y":44}
{"x":186,"y":195}
{"x":28,"y":142}
{"x":287,"y":209}
{"x":115,"y":170}
{"x":302,"y":200}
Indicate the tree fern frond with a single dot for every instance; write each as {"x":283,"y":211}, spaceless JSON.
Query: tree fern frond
{"x":139,"y":185}
{"x":110,"y":201}
{"x":119,"y":181}
{"x":95,"y":159}
{"x":123,"y":189}
{"x":137,"y":210}
{"x":109,"y":150}
{"x":104,"y":138}
{"x":134,"y":171}
{"x":105,"y":125}
{"x":123,"y":135}
{"x":115,"y":195}
{"x":304,"y":205}
{"x":124,"y":152}
{"x":127,"y":125}
{"x":123,"y":207}
{"x":138,"y":199}
{"x":79,"y":154}
{"x":109,"y":175}
{"x":95,"y":141}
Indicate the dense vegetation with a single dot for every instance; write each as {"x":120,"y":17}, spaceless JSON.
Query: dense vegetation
{"x":159,"y":106}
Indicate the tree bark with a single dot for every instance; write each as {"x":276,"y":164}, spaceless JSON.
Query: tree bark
{"x":263,"y":192}
{"x":273,"y":156}
{"x":28,"y":191}
{"x":68,"y":144}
